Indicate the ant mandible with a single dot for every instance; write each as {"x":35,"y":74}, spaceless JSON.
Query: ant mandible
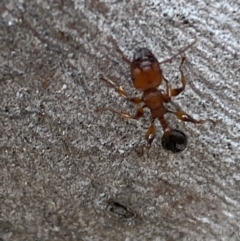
{"x":147,"y":76}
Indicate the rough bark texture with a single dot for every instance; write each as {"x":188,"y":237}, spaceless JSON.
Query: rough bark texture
{"x":60,"y":162}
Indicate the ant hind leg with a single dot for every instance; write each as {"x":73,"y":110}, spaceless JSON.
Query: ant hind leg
{"x":150,"y":135}
{"x":183,"y":116}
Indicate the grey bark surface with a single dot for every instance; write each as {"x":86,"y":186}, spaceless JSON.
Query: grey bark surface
{"x":61,"y":162}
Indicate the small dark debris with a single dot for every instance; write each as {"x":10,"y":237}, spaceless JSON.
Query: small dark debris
{"x":119,"y":211}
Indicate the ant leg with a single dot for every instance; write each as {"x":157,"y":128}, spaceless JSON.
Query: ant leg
{"x":150,"y":135}
{"x":167,"y":97}
{"x":175,"y":92}
{"x":183,"y":116}
{"x":138,"y":114}
{"x":121,"y":92}
{"x":179,"y":52}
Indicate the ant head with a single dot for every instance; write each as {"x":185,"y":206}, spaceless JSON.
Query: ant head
{"x":145,"y":70}
{"x":143,"y":54}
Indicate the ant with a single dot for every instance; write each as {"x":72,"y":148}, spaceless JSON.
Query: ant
{"x":147,"y":76}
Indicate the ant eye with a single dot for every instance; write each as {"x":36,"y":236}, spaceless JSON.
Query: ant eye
{"x":174,"y":141}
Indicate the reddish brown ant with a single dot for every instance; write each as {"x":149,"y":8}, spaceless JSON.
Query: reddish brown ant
{"x":147,"y":76}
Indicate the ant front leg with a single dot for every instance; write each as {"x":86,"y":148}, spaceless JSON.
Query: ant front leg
{"x":177,"y":91}
{"x":183,"y":116}
{"x":121,"y":92}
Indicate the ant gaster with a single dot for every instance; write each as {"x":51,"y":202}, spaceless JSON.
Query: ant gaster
{"x":147,"y":76}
